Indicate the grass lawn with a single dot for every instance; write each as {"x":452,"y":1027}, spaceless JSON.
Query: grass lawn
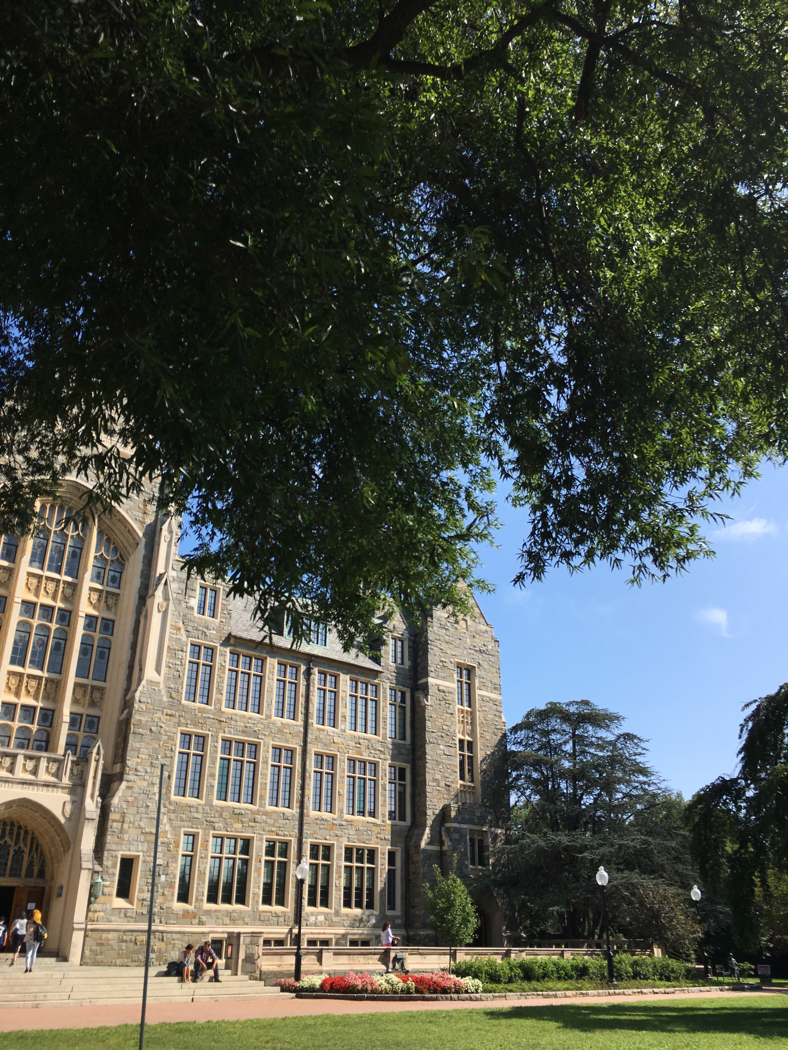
{"x":693,"y":1024}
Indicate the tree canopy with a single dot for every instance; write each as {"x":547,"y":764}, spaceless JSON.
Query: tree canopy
{"x":325,"y":271}
{"x":584,"y":797}
{"x":453,"y":918}
{"x":740,"y":825}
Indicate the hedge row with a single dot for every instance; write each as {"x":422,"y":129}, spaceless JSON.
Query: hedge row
{"x":577,"y":968}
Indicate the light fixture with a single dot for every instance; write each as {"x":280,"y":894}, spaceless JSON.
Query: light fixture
{"x":302,"y":871}
{"x":696,"y":894}
{"x":97,"y":888}
{"x":602,"y":877}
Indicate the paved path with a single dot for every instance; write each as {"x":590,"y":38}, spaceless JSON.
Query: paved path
{"x":14,"y":1019}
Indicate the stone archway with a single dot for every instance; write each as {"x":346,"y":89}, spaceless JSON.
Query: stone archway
{"x":32,"y":844}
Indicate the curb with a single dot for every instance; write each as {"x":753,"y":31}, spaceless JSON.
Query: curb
{"x":486,"y":996}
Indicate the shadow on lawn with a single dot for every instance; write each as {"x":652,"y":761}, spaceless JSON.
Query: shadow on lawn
{"x":732,"y":1019}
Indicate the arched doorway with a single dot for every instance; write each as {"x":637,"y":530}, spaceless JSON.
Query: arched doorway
{"x":23,"y":870}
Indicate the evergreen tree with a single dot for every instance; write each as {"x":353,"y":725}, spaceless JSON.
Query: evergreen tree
{"x":453,"y":917}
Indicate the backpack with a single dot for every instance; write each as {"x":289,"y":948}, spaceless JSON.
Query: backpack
{"x":172,"y":969}
{"x":41,"y":933}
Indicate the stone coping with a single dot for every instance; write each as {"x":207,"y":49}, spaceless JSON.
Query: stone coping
{"x":485,"y":996}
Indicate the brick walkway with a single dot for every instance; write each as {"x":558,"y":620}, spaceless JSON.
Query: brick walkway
{"x":14,"y":1019}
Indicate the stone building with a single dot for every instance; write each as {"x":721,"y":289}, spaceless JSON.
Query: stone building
{"x":113,"y":662}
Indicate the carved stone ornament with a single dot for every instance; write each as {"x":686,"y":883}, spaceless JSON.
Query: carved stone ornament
{"x":96,"y":696}
{"x":31,"y":685}
{"x":50,"y":689}
{"x":110,"y":601}
{"x":5,"y":575}
{"x":32,"y":583}
{"x":12,"y":683}
{"x":50,"y":587}
{"x":67,"y":592}
{"x":68,"y":805}
{"x":161,"y":606}
{"x":94,"y":598}
{"x":30,"y":765}
{"x":53,"y":767}
{"x":78,"y":770}
{"x":80,"y":694}
{"x":6,"y":763}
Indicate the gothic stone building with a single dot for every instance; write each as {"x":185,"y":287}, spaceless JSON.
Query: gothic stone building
{"x":114,"y":662}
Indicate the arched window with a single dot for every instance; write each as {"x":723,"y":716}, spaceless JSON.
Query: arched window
{"x":41,"y":740}
{"x":103,"y":647}
{"x":72,"y":740}
{"x":58,"y":541}
{"x":21,"y":642}
{"x":85,"y":656}
{"x":5,"y":735}
{"x":73,"y":558}
{"x":21,"y":855}
{"x":9,"y":548}
{"x":86,"y":745}
{"x":57,"y":652}
{"x":38,"y":650}
{"x":22,"y":738}
{"x":107,"y":563}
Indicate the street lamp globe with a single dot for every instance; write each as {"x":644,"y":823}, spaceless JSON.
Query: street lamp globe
{"x":696,"y":894}
{"x":302,"y":871}
{"x":602,"y":876}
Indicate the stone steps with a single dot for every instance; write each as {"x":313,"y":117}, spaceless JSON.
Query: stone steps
{"x":54,"y":983}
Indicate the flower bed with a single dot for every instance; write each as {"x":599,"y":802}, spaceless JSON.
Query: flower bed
{"x":438,"y":983}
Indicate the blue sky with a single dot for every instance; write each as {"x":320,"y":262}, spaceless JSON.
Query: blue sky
{"x":678,"y":659}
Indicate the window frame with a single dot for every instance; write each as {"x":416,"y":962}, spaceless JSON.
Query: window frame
{"x":463,"y":754}
{"x":232,"y":757}
{"x":209,"y":589}
{"x":399,"y":803}
{"x":479,"y":836}
{"x":368,"y":779}
{"x":366,"y":866}
{"x":465,"y":683}
{"x":273,"y":906}
{"x":179,"y":750}
{"x":131,"y":900}
{"x":320,"y":864}
{"x":323,"y":771}
{"x":249,"y":858}
{"x":281,"y":765}
{"x":400,"y":710}
{"x":367,"y":697}
{"x":287,"y":679}
{"x":397,"y":883}
{"x":398,"y":650}
{"x":253,"y":674}
{"x":327,"y":688}
{"x":195,"y":855}
{"x":201,"y":663}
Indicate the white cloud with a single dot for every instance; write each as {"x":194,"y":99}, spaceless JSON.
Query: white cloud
{"x":715,"y":617}
{"x":747,"y":529}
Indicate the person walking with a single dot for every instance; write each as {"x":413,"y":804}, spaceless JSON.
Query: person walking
{"x":35,"y":935}
{"x":18,"y":935}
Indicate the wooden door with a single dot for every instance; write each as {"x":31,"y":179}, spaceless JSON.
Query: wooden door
{"x":26,"y":895}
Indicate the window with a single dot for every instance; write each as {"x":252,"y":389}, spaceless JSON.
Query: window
{"x":125,"y":888}
{"x":359,"y":944}
{"x":326,"y":700}
{"x":363,"y":707}
{"x":95,"y":647}
{"x":186,"y":867}
{"x":275,"y":873}
{"x":358,"y":885}
{"x":281,"y":777}
{"x":36,"y":623}
{"x":322,"y":942}
{"x":206,"y":601}
{"x":319,"y":881}
{"x":244,"y":683}
{"x":323,"y":784}
{"x":286,"y":690}
{"x":228,"y":871}
{"x":9,"y":548}
{"x":398,"y":650}
{"x":463,"y":687}
{"x":198,"y":674}
{"x":398,"y":784}
{"x":3,"y":601}
{"x":237,"y":772}
{"x":478,"y":855}
{"x":80,"y":745}
{"x":466,"y":761}
{"x":15,"y":720}
{"x":398,"y":710}
{"x":391,"y":880}
{"x":188,"y":770}
{"x":108,"y":564}
{"x":361,"y":788}
{"x":58,"y":542}
{"x":314,"y":631}
{"x":269,"y":943}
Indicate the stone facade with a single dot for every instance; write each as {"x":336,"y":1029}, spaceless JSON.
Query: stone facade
{"x":250,"y":731}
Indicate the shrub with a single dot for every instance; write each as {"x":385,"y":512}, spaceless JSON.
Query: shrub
{"x":355,"y":983}
{"x":393,"y":984}
{"x":440,"y":983}
{"x":472,"y":985}
{"x":535,"y":968}
{"x":287,"y":984}
{"x":746,"y":969}
{"x":312,"y":982}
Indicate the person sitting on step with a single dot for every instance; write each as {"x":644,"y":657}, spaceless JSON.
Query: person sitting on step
{"x":185,"y":964}
{"x":205,"y":958}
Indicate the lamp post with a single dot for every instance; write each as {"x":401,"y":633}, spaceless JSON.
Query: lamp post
{"x":302,"y":872}
{"x":696,"y":895}
{"x":602,"y":879}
